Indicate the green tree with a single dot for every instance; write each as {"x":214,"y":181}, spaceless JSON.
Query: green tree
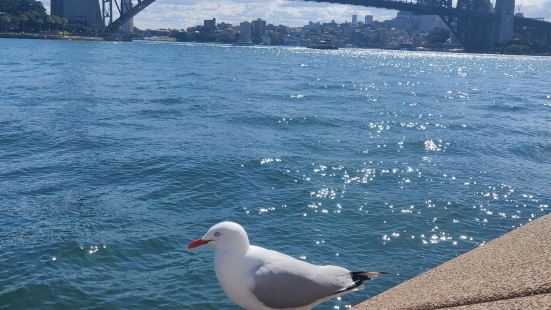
{"x":40,"y":23}
{"x":5,"y":22}
{"x":23,"y":19}
{"x":56,"y":23}
{"x":16,"y":7}
{"x":22,"y":15}
{"x":50,"y":22}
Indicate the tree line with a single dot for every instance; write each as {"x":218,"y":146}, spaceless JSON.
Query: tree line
{"x":30,"y":16}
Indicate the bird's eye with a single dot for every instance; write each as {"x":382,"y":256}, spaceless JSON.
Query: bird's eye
{"x":217,"y":234}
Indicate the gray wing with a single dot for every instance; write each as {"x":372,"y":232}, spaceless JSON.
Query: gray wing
{"x":297,"y":284}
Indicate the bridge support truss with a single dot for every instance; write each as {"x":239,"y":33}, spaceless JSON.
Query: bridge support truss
{"x":125,"y":10}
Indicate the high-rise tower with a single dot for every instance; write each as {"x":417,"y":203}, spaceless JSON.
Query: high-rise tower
{"x":85,"y":12}
{"x":245,"y":33}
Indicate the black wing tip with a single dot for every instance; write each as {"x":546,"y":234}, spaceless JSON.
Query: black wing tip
{"x":359,"y":277}
{"x":362,"y":276}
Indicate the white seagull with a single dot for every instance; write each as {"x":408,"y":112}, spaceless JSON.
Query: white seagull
{"x":260,"y":279}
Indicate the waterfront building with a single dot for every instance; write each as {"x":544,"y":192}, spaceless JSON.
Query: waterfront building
{"x":258,"y":27}
{"x":245,"y":33}
{"x":209,"y":24}
{"x":354,"y":19}
{"x":85,"y":12}
{"x":227,"y":33}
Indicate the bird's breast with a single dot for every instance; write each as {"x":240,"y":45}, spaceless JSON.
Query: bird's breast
{"x":233,"y":275}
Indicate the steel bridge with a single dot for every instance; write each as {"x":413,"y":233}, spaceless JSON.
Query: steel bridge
{"x":126,"y":10}
{"x":475,"y":23}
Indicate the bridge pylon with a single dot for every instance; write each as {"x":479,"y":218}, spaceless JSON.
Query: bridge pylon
{"x":475,"y":34}
{"x":505,"y":19}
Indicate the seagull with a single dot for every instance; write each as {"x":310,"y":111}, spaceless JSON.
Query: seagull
{"x":256,"y":278}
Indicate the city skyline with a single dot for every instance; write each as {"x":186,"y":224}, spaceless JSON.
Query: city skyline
{"x":178,"y":14}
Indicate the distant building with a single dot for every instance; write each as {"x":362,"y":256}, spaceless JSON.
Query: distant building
{"x":313,"y":26}
{"x":368,"y":19}
{"x":227,"y":34}
{"x":354,"y":19}
{"x":224,"y":25}
{"x":56,"y":8}
{"x":85,"y":12}
{"x":245,"y":33}
{"x":210,"y":24}
{"x":259,"y":27}
{"x":128,"y":27}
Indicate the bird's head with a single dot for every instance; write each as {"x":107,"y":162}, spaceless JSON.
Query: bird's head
{"x":224,"y":236}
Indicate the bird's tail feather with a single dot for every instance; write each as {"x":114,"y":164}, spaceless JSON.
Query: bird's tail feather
{"x":362,"y":276}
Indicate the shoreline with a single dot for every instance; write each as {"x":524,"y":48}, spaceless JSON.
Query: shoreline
{"x":39,"y":36}
{"x":36,"y":36}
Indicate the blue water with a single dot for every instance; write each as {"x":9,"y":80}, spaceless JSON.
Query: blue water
{"x":113,"y":156}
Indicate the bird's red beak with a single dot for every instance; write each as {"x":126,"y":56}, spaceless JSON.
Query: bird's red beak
{"x":197,"y":243}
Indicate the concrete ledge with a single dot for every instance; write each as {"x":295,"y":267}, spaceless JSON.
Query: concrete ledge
{"x":520,"y":303}
{"x":507,"y":271}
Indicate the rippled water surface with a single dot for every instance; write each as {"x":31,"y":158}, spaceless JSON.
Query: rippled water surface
{"x":113,"y":156}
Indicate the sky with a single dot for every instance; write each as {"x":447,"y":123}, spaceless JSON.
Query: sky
{"x":178,"y":14}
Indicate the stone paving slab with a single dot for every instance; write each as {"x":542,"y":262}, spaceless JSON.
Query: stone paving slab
{"x":517,"y":264}
{"x":542,"y":302}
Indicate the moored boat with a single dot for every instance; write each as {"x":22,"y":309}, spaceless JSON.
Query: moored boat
{"x":323,"y":45}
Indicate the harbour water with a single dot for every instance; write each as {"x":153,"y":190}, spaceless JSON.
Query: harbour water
{"x":113,"y":156}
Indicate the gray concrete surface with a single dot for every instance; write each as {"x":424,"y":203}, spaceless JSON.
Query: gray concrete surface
{"x":510,"y":272}
{"x":519,"y":303}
